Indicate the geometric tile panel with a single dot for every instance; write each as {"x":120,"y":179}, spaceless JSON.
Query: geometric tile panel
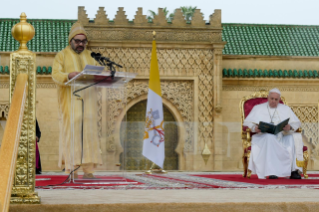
{"x":308,"y":115}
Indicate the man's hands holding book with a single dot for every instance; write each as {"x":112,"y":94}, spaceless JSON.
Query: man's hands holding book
{"x":257,"y":130}
{"x":286,"y":128}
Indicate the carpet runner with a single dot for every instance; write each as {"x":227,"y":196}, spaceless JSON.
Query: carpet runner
{"x":179,"y":181}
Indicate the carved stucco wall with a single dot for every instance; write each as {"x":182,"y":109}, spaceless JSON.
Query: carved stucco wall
{"x":193,"y":63}
{"x":185,"y":51}
{"x":183,"y":101}
{"x":4,"y":109}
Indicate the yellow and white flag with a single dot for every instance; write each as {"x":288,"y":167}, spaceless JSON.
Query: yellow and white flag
{"x":153,"y":146}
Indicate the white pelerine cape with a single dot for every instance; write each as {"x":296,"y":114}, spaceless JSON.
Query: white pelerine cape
{"x":261,"y":113}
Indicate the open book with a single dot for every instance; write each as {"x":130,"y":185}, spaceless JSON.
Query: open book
{"x":271,"y":128}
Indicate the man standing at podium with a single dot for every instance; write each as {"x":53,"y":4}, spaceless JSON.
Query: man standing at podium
{"x":67,"y":64}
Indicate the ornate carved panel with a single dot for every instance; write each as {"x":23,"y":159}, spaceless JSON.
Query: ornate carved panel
{"x":282,"y":88}
{"x":180,"y":93}
{"x":24,"y":182}
{"x":308,"y":115}
{"x":111,"y":34}
{"x":4,"y":109}
{"x":39,"y":85}
{"x":173,"y":62}
{"x":134,"y":160}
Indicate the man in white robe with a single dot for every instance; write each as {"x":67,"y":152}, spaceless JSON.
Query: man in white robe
{"x":277,"y":155}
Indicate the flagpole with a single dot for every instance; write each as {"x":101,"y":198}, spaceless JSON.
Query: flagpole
{"x":159,"y":171}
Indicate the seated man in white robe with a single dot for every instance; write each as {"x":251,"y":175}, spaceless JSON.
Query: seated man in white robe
{"x":277,"y":155}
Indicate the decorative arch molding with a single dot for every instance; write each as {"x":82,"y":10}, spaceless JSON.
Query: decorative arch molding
{"x":180,"y":93}
{"x":177,"y":116}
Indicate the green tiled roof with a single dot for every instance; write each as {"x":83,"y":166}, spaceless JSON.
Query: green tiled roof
{"x":242,"y":39}
{"x":274,"y":40}
{"x":40,"y":70}
{"x":251,"y":73}
{"x":50,"y":35}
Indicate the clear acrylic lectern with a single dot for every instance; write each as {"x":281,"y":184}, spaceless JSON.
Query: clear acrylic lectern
{"x":98,"y":122}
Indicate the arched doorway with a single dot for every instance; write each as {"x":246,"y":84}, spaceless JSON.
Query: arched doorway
{"x":133,"y":139}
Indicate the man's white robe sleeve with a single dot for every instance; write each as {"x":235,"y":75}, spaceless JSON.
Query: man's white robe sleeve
{"x":251,"y":120}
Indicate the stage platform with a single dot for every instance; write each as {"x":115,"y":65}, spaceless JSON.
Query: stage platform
{"x":180,"y":191}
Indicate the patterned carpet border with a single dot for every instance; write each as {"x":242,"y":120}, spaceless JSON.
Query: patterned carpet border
{"x":185,"y":181}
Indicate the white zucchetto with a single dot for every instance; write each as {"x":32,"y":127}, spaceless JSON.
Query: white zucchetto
{"x":275,"y":90}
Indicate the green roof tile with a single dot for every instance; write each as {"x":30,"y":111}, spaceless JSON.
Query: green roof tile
{"x":6,"y":70}
{"x":242,"y":39}
{"x":233,"y":73}
{"x":271,"y":40}
{"x":50,"y":35}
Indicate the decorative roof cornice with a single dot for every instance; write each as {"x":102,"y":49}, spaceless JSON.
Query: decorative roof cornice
{"x":275,"y":73}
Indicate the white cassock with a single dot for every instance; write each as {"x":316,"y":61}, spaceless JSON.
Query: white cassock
{"x":274,"y":154}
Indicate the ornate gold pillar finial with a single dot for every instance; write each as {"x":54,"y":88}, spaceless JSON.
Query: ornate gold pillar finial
{"x":23,"y":32}
{"x":154,"y":35}
{"x":23,"y":61}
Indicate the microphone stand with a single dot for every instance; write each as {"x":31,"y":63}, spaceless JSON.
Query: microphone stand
{"x":108,"y":63}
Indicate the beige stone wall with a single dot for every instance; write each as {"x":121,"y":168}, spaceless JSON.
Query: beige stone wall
{"x":47,"y":115}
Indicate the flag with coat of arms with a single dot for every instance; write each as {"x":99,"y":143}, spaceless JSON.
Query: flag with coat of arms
{"x":153,"y":146}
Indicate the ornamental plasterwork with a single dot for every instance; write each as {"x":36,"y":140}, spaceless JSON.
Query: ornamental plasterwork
{"x":179,"y":93}
{"x":282,"y":88}
{"x":4,"y":109}
{"x":39,"y":85}
{"x":308,"y":115}
{"x":4,"y":85}
{"x":174,"y":62}
{"x":171,"y":62}
{"x":146,"y":35}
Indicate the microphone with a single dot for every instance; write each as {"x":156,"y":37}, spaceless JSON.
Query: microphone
{"x":98,"y":57}
{"x":105,"y":61}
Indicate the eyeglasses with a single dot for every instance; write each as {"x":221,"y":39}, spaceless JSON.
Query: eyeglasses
{"x":77,"y":41}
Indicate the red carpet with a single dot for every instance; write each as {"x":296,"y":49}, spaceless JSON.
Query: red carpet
{"x":55,"y":180}
{"x":254,"y":179}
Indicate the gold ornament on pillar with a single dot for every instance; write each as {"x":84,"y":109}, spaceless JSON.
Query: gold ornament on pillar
{"x":23,"y":32}
{"x":23,"y":61}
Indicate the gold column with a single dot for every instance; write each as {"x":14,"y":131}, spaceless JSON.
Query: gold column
{"x":23,"y":61}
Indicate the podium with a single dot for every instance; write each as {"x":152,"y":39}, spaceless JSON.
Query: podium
{"x":98,"y":101}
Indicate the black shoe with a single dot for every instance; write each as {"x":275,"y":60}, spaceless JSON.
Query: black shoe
{"x":38,"y":172}
{"x":273,"y":177}
{"x":295,"y":175}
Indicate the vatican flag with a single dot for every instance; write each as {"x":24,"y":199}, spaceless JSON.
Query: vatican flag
{"x":153,"y":146}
